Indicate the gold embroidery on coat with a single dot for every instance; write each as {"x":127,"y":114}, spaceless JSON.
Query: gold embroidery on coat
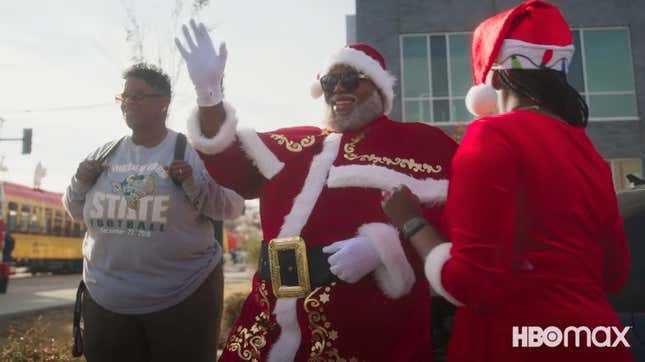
{"x":298,"y":146}
{"x":248,"y":342}
{"x":406,"y":163}
{"x":322,"y":333}
{"x":294,"y":146}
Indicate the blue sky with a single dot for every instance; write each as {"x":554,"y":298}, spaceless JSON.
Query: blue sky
{"x":61,"y":67}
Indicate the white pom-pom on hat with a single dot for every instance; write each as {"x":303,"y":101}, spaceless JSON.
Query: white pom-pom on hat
{"x":316,"y":90}
{"x":481,"y":100}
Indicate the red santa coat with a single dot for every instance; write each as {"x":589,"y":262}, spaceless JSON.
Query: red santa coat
{"x":536,"y":240}
{"x":326,"y":187}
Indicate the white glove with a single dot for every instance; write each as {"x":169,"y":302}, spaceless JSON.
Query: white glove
{"x":205,"y":66}
{"x":352,"y":259}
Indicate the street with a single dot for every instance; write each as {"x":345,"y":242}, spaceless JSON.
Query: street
{"x":29,"y":293}
{"x":38,"y":292}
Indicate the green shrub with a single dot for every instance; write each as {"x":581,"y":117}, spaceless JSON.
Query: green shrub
{"x":232,"y":308}
{"x":253,"y":247}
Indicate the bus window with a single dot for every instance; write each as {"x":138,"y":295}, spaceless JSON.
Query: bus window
{"x":34,"y":226}
{"x":77,"y":230}
{"x":68,"y":228}
{"x":24,"y":218}
{"x":12,"y":216}
{"x":48,"y":221}
{"x":58,"y":223}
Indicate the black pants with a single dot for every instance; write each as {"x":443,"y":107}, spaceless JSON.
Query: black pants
{"x":188,"y":331}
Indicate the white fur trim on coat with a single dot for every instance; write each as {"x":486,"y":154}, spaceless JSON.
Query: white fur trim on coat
{"x":222,"y":139}
{"x":429,"y":191}
{"x":286,"y":347}
{"x":363,"y":63}
{"x":434,"y":264}
{"x":314,"y":183}
{"x":268,"y":164}
{"x":395,"y":276}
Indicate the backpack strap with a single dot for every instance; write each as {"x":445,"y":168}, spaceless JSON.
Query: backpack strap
{"x":77,"y":347}
{"x":108,"y":149}
{"x":180,"y":147}
{"x":180,"y":150}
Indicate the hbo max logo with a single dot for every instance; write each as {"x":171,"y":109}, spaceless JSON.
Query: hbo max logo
{"x":534,"y":336}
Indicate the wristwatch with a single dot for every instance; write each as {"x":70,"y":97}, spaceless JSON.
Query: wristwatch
{"x":412,"y":226}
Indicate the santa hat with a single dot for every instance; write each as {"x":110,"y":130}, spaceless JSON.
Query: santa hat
{"x":532,"y":35}
{"x":367,"y":60}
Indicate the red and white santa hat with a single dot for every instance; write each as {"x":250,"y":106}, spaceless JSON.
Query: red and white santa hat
{"x":367,"y":60}
{"x":532,"y":35}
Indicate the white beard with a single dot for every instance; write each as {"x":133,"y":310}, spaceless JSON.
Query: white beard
{"x":361,"y":115}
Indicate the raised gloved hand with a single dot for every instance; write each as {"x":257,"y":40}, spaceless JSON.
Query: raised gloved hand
{"x":353,"y":258}
{"x":205,"y":66}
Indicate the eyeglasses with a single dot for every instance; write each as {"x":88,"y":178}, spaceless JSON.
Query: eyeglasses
{"x":349,"y":81}
{"x":136,"y":97}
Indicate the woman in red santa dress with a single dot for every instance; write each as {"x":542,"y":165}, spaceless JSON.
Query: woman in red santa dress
{"x":536,"y":239}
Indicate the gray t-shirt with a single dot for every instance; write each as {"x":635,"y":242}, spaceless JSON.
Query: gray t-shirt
{"x":149,"y":243}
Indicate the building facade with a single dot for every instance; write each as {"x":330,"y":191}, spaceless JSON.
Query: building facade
{"x":426,"y":44}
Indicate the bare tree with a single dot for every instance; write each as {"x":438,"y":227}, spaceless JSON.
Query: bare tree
{"x":150,"y":40}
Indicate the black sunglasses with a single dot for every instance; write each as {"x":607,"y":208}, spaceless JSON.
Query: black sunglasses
{"x":136,"y":97}
{"x":349,"y":81}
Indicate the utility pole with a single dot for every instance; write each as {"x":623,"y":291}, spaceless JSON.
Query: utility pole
{"x":27,"y":134}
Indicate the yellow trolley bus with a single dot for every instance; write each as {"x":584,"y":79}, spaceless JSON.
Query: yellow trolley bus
{"x":47,"y":239}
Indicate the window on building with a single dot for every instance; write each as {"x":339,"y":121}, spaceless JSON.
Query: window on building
{"x":436,"y":75}
{"x":620,"y":168}
{"x":606,"y":82}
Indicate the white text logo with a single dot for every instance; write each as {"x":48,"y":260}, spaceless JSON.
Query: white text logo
{"x":534,"y":336}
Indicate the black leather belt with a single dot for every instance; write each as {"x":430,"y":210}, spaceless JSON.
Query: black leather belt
{"x":317,"y":264}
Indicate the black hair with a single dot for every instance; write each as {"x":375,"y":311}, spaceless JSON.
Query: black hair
{"x":152,"y":75}
{"x":550,"y":90}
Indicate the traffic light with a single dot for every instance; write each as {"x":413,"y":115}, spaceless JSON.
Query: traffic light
{"x":26,"y":141}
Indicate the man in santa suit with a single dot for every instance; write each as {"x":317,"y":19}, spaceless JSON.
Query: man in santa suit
{"x":336,"y":281}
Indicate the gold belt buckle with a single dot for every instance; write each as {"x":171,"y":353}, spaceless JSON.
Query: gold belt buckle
{"x":297,"y":244}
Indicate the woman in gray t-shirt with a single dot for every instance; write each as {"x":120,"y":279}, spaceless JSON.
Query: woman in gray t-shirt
{"x":151,"y":263}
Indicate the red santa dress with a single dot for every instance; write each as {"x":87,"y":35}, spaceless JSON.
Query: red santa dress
{"x":537,"y":240}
